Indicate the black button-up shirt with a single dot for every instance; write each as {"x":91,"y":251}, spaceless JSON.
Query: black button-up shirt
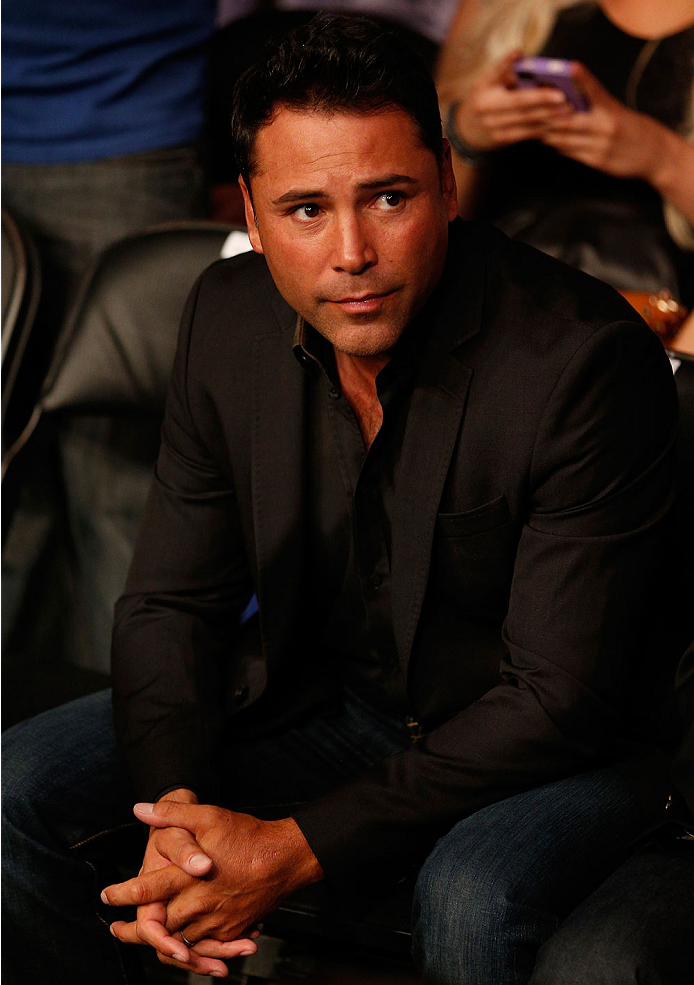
{"x":351,"y":493}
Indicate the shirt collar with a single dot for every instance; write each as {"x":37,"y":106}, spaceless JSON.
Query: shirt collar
{"x":307,"y":348}
{"x":315,"y":355}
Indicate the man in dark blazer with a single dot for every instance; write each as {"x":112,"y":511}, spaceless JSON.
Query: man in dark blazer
{"x":442,"y":463}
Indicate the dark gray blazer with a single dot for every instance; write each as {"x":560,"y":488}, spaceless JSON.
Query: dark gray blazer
{"x":535,"y":489}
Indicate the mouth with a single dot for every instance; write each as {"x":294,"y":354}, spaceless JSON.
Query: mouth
{"x":362,"y":303}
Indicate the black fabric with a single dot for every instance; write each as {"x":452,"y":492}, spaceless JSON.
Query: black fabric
{"x":535,"y":477}
{"x":612,"y":228}
{"x":351,"y":496}
{"x":682,"y":582}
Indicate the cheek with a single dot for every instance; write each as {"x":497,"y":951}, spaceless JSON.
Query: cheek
{"x":290,"y":262}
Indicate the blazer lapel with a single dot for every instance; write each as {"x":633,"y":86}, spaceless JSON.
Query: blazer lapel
{"x":434,"y":422}
{"x":432,"y":430}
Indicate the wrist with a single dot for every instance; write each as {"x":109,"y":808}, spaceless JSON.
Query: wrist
{"x":672,"y":162}
{"x":303,"y":867}
{"x":470,"y":155}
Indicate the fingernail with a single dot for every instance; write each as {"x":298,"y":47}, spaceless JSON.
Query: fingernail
{"x":246,"y":954}
{"x":104,"y":898}
{"x":143,"y":808}
{"x":217,"y":974}
{"x":112,"y":930}
{"x":179,"y":956}
{"x":199,"y":860}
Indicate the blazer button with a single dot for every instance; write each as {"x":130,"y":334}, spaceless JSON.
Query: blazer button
{"x":240,"y":694}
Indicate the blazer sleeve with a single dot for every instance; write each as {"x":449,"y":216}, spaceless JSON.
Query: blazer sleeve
{"x":177,"y":619}
{"x":600,"y":489}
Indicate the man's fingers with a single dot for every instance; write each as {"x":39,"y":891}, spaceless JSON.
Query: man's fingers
{"x":152,"y":932}
{"x":200,"y":966}
{"x":171,"y":950}
{"x":210,"y":948}
{"x":148,"y":887}
{"x":170,"y":813}
{"x":180,"y":847}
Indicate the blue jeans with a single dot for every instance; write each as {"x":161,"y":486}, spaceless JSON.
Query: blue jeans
{"x":492,"y":891}
{"x":637,"y":928}
{"x":499,"y":884}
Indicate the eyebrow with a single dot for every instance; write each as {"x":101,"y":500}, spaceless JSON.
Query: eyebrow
{"x":315,"y":195}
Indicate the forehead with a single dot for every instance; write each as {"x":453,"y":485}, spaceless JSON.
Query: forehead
{"x":302,"y":143}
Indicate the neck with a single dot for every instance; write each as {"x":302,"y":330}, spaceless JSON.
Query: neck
{"x":358,"y":381}
{"x":655,"y":19}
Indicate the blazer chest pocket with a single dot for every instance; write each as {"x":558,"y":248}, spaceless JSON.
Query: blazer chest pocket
{"x":473,"y":557}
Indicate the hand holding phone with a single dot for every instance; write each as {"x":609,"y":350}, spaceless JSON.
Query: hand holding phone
{"x":555,"y":72}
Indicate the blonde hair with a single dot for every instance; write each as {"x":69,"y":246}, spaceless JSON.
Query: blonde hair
{"x":499,"y":26}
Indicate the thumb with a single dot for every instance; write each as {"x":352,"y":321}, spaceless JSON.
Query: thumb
{"x":502,"y":72}
{"x":180,"y":847}
{"x":594,"y":91}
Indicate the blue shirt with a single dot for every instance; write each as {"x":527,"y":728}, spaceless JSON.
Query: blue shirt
{"x":87,"y":79}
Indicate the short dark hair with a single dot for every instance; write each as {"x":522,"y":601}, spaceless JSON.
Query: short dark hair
{"x":334,"y":62}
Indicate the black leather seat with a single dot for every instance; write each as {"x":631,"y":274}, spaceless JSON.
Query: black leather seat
{"x":76,"y":480}
{"x":21,"y":291}
{"x":116,"y":351}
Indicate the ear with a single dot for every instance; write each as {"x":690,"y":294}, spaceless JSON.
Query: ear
{"x":449,"y":190}
{"x":251,"y":221}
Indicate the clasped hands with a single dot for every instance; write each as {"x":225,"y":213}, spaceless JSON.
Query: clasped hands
{"x":211,"y":874}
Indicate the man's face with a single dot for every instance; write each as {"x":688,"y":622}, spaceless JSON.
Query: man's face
{"x":351,"y":213}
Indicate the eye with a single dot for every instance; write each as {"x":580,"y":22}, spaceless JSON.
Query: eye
{"x":389,"y":200}
{"x":308,"y":211}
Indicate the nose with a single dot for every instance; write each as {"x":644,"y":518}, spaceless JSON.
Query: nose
{"x":353,"y":250}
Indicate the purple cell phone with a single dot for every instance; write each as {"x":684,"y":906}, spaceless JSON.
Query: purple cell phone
{"x":556,"y":72}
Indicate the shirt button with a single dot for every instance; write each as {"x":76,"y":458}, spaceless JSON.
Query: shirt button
{"x":334,"y":393}
{"x":376,"y":582}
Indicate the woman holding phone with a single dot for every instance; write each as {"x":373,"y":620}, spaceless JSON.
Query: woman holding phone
{"x":609,"y":189}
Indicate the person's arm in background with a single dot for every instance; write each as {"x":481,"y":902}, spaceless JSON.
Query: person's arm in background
{"x":490,"y":113}
{"x":684,"y":340}
{"x":484,"y":108}
{"x":625,"y":143}
{"x":467,"y":176}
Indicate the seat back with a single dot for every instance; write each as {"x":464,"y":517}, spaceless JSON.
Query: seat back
{"x":116,"y":351}
{"x":99,"y":417}
{"x":21,"y":290}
